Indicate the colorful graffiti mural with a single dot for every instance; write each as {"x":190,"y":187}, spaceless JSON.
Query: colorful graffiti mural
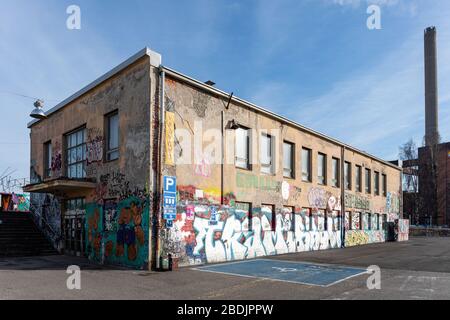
{"x":240,"y":235}
{"x":403,"y":230}
{"x":117,"y":232}
{"x":15,"y":202}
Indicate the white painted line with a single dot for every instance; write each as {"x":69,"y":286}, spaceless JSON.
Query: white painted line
{"x":264,"y":278}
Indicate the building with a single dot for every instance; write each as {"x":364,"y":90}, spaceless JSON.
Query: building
{"x":146,"y":163}
{"x":429,"y":202}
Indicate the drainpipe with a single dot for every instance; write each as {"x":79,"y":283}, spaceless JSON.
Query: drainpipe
{"x":162,"y":77}
{"x":343,"y":209}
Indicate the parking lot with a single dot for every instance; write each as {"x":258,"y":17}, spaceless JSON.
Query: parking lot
{"x":418,"y":269}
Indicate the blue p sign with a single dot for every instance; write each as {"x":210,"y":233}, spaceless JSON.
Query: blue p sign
{"x":170,"y":185}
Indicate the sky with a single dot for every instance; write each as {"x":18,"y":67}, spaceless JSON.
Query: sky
{"x":313,"y":61}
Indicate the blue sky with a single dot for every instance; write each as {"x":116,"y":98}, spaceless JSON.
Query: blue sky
{"x":313,"y":61}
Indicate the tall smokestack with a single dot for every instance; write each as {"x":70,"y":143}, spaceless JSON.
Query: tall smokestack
{"x":431,"y":88}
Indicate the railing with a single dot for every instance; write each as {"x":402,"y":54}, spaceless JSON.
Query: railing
{"x":54,"y":237}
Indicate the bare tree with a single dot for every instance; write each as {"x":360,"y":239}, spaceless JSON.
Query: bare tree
{"x":408,"y":153}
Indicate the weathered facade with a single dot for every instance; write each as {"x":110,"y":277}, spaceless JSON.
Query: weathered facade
{"x":249,"y":183}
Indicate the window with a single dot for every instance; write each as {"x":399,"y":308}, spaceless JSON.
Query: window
{"x":288,"y":160}
{"x":242,"y":148}
{"x":306,"y":165}
{"x":377,"y":183}
{"x":245,"y":209}
{"x":267,"y":161}
{"x":112,"y":141}
{"x":368,"y":181}
{"x":384,"y":185}
{"x":348,"y":175}
{"x":358,"y":178}
{"x":305,"y":219}
{"x":336,"y":175}
{"x":322,"y":169}
{"x":76,"y":154}
{"x":48,"y":159}
{"x":268,"y":210}
{"x":288,"y":220}
{"x":356,"y":221}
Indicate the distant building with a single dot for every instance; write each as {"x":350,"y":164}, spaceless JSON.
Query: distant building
{"x":431,"y":203}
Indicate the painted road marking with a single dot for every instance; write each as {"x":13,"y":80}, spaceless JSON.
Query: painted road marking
{"x":287,"y":271}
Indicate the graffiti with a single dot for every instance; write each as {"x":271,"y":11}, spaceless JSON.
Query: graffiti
{"x":94,"y":150}
{"x":203,"y":168}
{"x":170,"y":138}
{"x":56,"y":164}
{"x":357,"y":202}
{"x":231,"y":238}
{"x":392,"y":203}
{"x":403,"y":230}
{"x":320,"y":199}
{"x":117,"y":233}
{"x":249,"y":181}
{"x":110,"y":216}
{"x":47,"y":207}
{"x":115,"y":185}
{"x":15,"y":202}
{"x":358,"y":238}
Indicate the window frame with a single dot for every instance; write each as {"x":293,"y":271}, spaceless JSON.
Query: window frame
{"x":272,"y":154}
{"x":368,"y":184}
{"x":309,"y":173}
{"x":250,"y":213}
{"x":48,"y":155}
{"x":384,"y":184}
{"x":336,"y":183}
{"x":376,"y":183}
{"x":67,"y":149}
{"x":348,"y":178}
{"x":358,"y":179}
{"x":324,"y":169}
{"x":108,"y":130}
{"x":292,"y":145}
{"x":249,"y":141}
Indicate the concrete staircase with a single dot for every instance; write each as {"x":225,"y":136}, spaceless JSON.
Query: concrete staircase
{"x":20,"y":237}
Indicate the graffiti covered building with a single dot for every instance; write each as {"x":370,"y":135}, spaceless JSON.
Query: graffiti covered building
{"x":246,"y":182}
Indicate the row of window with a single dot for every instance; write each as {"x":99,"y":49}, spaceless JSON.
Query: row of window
{"x":75,"y":152}
{"x":267,"y":161}
{"x":314,"y":221}
{"x":310,"y":221}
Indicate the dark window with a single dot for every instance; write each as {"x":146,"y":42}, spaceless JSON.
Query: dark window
{"x":242,"y":157}
{"x":368,"y":181}
{"x":269,"y":211}
{"x":348,"y":175}
{"x":321,"y":169}
{"x":358,"y":178}
{"x":384,"y":185}
{"x":336,"y":170}
{"x":48,"y":159}
{"x":112,"y":140}
{"x":266,"y":154}
{"x":306,"y":165}
{"x":377,"y":183}
{"x":288,"y":160}
{"x":76,"y":154}
{"x":246,"y":209}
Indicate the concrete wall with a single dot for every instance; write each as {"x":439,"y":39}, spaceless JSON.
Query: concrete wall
{"x":199,"y":236}
{"x":118,"y":210}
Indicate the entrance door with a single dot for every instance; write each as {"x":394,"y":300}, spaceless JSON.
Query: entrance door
{"x":74,"y":221}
